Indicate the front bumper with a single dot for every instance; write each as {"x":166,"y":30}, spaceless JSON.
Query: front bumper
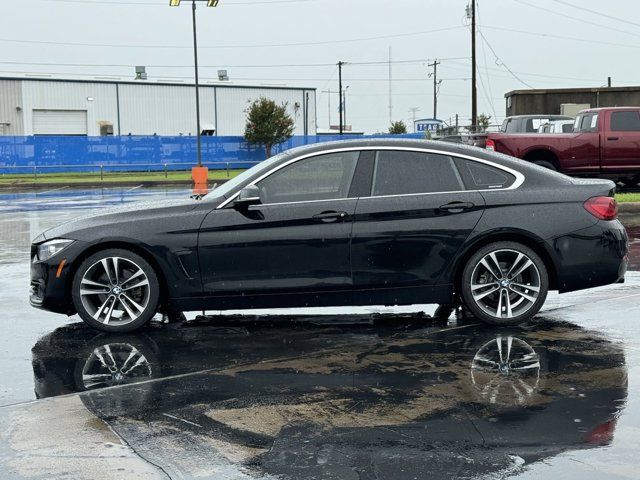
{"x":592,"y":257}
{"x":50,"y":285}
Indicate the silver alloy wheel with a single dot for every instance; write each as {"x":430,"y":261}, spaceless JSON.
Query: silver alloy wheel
{"x":115,"y":364}
{"x":505,"y":283}
{"x":115,"y":291}
{"x":506,"y":370}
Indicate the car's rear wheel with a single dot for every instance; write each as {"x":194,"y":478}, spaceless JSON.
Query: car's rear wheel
{"x":504,"y":283}
{"x":116,"y":290}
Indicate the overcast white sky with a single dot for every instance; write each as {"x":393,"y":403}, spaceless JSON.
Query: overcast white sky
{"x":240,"y":34}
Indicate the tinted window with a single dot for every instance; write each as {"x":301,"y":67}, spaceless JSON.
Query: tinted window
{"x":587,"y":122}
{"x":478,"y":175}
{"x":414,"y":172}
{"x":567,"y":128}
{"x":324,"y":177}
{"x":625,"y":121}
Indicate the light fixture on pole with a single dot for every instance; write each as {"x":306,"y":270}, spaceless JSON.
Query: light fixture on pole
{"x":199,"y":173}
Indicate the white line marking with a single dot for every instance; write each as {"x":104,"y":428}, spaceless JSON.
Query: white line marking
{"x":182,"y":420}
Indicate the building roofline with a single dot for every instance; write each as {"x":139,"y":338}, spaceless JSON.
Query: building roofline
{"x":160,"y":83}
{"x":543,"y":91}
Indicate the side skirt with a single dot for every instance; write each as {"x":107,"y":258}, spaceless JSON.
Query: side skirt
{"x":435,"y":294}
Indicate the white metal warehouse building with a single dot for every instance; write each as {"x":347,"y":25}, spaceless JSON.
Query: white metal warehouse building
{"x":45,"y":106}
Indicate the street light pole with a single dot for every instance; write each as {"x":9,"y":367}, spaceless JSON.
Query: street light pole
{"x":195,"y":58}
{"x":340,"y":63}
{"x":210,"y":3}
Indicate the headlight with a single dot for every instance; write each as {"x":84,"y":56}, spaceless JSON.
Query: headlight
{"x":48,"y":249}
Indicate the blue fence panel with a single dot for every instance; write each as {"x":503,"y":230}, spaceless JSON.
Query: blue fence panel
{"x":54,"y":154}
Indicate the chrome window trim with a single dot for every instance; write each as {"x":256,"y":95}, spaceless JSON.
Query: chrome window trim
{"x":517,"y":183}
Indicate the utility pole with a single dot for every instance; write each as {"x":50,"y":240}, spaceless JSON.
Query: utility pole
{"x":435,"y":86}
{"x":390,"y":92}
{"x":474,"y":90}
{"x":344,"y":105}
{"x":340,"y":63}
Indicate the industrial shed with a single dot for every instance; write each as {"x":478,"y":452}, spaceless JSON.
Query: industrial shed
{"x":568,"y":101}
{"x":30,"y":106}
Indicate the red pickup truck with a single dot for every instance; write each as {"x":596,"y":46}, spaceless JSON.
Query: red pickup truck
{"x":604,"y":142}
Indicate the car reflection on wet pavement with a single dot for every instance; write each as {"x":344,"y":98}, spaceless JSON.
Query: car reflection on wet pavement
{"x":304,"y":395}
{"x":395,"y":399}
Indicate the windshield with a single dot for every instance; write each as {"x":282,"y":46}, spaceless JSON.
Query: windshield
{"x":230,"y":185}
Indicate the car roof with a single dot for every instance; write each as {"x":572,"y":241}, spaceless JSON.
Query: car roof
{"x":599,"y":109}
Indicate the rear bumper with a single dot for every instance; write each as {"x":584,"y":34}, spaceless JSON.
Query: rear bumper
{"x":591,"y":257}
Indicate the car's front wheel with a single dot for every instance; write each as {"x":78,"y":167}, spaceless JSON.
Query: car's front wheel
{"x":504,"y":283}
{"x":115,"y":290}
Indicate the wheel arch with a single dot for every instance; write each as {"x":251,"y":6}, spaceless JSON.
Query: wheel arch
{"x":125,"y":245}
{"x":525,"y":238}
{"x":545,"y":154}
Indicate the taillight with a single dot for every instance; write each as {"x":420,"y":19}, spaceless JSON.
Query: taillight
{"x":604,"y":208}
{"x":491,"y":145}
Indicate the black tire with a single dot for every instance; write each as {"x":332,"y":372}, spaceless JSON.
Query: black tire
{"x":136,"y":305}
{"x":537,"y":279}
{"x":546,"y":164}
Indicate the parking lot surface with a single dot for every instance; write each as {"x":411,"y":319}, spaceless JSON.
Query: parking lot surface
{"x":329,"y":393}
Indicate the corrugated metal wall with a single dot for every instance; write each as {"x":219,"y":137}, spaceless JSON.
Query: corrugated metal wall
{"x":147,"y":108}
{"x":98,"y":99}
{"x":232,"y":103}
{"x":10,"y":100}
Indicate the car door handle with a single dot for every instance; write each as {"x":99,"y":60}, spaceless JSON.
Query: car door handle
{"x":457,"y":207}
{"x":613,"y":138}
{"x":330,"y":216}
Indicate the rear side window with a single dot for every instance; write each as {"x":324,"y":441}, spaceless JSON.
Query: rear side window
{"x":400,"y":172}
{"x":587,"y":122}
{"x":625,"y":121}
{"x":567,"y":128}
{"x":480,"y":176}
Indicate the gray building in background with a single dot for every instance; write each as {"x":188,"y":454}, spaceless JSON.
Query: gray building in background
{"x":30,"y":106}
{"x":567,"y":101}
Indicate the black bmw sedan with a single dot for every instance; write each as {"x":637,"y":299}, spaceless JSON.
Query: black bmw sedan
{"x":362,"y":222}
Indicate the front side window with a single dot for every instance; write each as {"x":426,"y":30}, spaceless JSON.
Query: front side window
{"x":625,"y":121}
{"x":401,"y":172}
{"x":323,"y":177}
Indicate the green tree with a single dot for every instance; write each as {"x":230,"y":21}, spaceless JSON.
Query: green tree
{"x":483,"y":122}
{"x":398,"y":128}
{"x":268,"y":124}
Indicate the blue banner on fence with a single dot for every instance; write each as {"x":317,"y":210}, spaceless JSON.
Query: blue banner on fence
{"x":56,"y":154}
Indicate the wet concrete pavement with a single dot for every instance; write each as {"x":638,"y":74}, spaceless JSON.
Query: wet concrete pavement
{"x":346,"y":395}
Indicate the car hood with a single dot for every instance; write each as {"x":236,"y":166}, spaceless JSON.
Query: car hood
{"x":123,"y":218}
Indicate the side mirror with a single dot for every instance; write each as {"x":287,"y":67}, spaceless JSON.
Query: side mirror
{"x":248,"y":196}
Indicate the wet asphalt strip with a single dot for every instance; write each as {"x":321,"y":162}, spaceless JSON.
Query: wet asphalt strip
{"x":399,"y":399}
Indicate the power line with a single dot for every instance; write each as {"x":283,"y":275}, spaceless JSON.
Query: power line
{"x":158,"y":4}
{"x":561,"y":37}
{"x":565,"y":16}
{"x":501,"y":63}
{"x":282,"y":65}
{"x":600,"y":14}
{"x":259,"y":79}
{"x":262,"y":45}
